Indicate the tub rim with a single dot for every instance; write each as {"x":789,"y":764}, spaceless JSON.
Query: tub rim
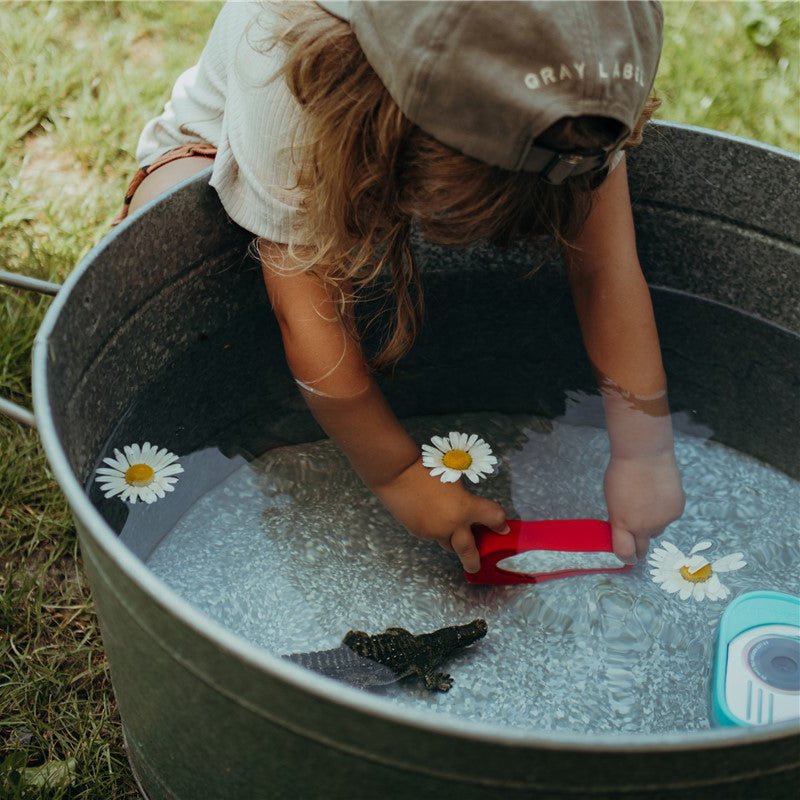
{"x":328,"y":689}
{"x":732,"y":137}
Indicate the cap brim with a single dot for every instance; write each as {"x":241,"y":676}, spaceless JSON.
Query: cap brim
{"x":339,"y":8}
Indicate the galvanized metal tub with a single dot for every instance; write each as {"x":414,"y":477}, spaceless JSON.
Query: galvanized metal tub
{"x":208,"y":715}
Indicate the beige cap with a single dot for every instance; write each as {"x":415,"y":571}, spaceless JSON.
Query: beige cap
{"x":487,"y":77}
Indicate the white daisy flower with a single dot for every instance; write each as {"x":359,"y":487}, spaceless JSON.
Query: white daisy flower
{"x":693,"y":575}
{"x":460,"y":454}
{"x":141,"y":473}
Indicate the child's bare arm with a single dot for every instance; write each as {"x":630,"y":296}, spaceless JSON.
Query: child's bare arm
{"x":335,"y":382}
{"x":330,"y":370}
{"x":611,"y":295}
{"x":643,"y":488}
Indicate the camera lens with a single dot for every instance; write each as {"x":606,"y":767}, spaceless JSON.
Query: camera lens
{"x":776,"y":660}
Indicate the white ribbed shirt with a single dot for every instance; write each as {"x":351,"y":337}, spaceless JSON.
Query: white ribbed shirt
{"x":227,"y":100}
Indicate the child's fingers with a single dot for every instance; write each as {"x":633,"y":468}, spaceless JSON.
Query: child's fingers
{"x":643,"y":542}
{"x":491,"y":514}
{"x":624,"y":544}
{"x":463,"y":543}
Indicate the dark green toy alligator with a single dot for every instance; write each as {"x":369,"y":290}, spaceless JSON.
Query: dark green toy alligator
{"x":365,"y":660}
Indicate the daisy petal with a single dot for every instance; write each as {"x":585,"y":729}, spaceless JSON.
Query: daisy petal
{"x":121,"y":460}
{"x":714,"y":588}
{"x":699,"y":592}
{"x":657,"y":556}
{"x":148,"y":495}
{"x":704,"y":545}
{"x":442,"y":443}
{"x":173,"y":469}
{"x":119,"y":466}
{"x":696,"y":563}
{"x":729,"y":563}
{"x":169,"y":458}
{"x":163,"y":461}
{"x":106,"y":487}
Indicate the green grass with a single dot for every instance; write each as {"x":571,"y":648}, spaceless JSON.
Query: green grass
{"x":81,"y":79}
{"x":733,"y":67}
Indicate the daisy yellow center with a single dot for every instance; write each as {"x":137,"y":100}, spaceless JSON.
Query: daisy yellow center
{"x":457,"y":459}
{"x":700,"y":576}
{"x":139,"y":474}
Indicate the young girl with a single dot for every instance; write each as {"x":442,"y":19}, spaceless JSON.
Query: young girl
{"x":335,"y":126}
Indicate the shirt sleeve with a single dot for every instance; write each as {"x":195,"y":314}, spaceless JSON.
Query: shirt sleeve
{"x":256,"y":167}
{"x":615,"y":160}
{"x":195,"y":109}
{"x":233,"y":99}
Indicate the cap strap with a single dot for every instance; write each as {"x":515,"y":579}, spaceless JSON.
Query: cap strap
{"x":555,"y":167}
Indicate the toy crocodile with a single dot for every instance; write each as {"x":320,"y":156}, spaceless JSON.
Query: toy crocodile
{"x":365,"y":660}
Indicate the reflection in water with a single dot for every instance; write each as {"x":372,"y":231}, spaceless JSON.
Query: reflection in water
{"x":291,"y":551}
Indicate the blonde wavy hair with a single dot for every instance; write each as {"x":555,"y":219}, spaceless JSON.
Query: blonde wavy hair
{"x":367,"y":173}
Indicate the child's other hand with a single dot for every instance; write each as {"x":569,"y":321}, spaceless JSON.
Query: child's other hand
{"x":443,"y":512}
{"x":643,"y":496}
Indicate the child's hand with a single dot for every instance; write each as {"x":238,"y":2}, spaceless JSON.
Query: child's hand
{"x":443,"y":512}
{"x":643,"y":495}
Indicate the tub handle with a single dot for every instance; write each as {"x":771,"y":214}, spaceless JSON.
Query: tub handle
{"x":7,"y":408}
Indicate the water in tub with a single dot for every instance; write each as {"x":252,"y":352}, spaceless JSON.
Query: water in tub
{"x":290,"y":551}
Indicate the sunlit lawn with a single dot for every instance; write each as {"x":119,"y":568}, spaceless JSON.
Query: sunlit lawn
{"x":79,"y":80}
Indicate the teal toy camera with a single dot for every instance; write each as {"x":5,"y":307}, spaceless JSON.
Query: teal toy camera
{"x":756,"y":672}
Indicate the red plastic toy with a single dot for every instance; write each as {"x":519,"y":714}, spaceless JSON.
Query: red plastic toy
{"x":571,"y":535}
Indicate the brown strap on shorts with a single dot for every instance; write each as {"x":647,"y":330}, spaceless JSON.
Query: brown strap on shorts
{"x":182,"y":151}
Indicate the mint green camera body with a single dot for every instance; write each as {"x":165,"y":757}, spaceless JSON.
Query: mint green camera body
{"x":756,"y":672}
